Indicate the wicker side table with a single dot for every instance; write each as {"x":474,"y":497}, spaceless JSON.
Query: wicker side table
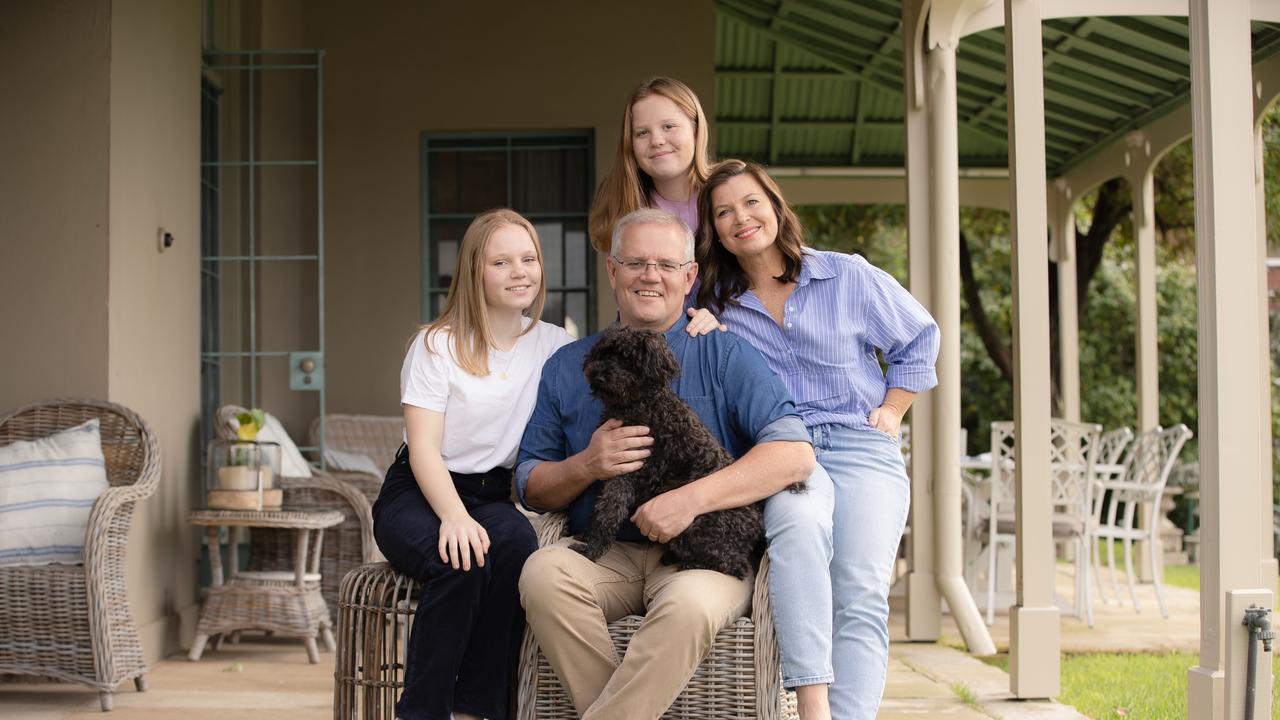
{"x":282,"y":602}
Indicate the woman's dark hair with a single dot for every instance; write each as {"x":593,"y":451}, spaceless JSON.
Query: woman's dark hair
{"x":722,"y":278}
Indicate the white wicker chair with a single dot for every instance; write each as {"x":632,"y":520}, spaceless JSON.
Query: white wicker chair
{"x":72,"y":622}
{"x":376,"y":436}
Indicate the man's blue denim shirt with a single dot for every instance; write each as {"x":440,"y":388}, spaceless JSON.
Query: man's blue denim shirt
{"x":724,"y":379}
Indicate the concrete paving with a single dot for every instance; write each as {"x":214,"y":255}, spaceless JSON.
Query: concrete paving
{"x":270,"y":678}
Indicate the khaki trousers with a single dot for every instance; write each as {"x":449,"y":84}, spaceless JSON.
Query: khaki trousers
{"x":569,"y":599}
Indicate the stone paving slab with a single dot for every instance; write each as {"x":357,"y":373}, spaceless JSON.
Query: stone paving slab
{"x":948,"y":667}
{"x":274,"y":681}
{"x":1117,"y":626}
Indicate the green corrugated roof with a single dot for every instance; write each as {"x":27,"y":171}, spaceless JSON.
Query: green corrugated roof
{"x":819,"y":83}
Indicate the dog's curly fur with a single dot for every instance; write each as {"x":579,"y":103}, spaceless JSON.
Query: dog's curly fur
{"x":630,"y":372}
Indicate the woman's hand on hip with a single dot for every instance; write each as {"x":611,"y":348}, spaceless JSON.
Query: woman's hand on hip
{"x":886,"y":419}
{"x":459,"y":537}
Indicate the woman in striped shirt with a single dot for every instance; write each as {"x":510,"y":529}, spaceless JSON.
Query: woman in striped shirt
{"x":819,"y":319}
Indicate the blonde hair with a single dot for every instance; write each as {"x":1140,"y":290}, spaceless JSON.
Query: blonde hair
{"x":627,"y":188}
{"x":465,"y":313}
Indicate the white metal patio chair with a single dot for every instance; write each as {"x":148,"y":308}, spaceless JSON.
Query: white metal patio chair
{"x":1108,"y":466}
{"x":1072,"y":453}
{"x":1146,"y":471}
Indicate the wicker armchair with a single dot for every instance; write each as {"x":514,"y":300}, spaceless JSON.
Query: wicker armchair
{"x":347,"y":546}
{"x":377,"y":436}
{"x":72,"y":622}
{"x":740,"y":678}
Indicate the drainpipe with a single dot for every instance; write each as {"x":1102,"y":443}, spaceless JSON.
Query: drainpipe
{"x":945,"y":231}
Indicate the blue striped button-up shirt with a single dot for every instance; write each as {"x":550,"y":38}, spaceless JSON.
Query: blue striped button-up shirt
{"x":841,"y":311}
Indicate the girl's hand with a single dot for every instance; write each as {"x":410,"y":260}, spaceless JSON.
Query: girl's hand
{"x":459,"y":536}
{"x":701,"y":322}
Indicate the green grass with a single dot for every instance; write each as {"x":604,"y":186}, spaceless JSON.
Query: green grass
{"x":966,"y":695}
{"x":1104,"y":686}
{"x":1183,"y":576}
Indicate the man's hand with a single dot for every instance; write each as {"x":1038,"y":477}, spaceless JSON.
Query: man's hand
{"x":616,"y":449}
{"x":664,"y":516}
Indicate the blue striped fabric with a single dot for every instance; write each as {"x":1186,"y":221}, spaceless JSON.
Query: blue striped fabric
{"x":842,"y":310}
{"x":91,"y":462}
{"x":47,"y":491}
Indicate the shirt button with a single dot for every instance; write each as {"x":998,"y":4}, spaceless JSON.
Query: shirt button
{"x":788,"y":324}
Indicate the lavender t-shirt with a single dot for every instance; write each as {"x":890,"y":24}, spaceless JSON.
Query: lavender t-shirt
{"x":686,"y":211}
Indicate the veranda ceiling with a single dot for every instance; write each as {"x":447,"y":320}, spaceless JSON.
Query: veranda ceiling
{"x":819,"y":83}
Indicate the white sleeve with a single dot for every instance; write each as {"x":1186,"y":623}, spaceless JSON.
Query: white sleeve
{"x":553,"y":337}
{"x":424,"y":377}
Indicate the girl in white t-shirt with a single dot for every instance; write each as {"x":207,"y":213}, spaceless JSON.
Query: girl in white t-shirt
{"x":444,"y":515}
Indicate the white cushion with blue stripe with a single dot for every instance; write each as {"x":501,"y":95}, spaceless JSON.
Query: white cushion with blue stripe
{"x":47,"y":489}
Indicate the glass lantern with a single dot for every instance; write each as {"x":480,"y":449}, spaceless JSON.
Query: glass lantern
{"x":241,"y":475}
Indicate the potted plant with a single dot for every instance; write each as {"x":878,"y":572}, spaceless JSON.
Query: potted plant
{"x":243,"y":468}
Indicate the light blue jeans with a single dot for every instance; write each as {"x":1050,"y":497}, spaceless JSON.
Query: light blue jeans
{"x":798,"y":528}
{"x":845,"y":634}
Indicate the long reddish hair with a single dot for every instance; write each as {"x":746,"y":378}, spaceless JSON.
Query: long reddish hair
{"x":627,"y":187}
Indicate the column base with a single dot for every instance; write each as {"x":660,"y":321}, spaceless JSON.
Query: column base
{"x":924,"y":608}
{"x":1034,"y":652}
{"x":1205,"y":699}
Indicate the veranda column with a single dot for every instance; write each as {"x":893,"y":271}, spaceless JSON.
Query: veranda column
{"x":945,"y":21}
{"x":1142,"y":187}
{"x":1230,"y":377}
{"x":924,"y":609}
{"x":1266,"y":500}
{"x":1033,"y":622}
{"x":1062,"y":228}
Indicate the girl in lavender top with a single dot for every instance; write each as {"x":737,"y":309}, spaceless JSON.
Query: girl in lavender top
{"x":661,"y":159}
{"x":819,"y":319}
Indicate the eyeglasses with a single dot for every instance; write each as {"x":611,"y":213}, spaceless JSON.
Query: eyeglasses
{"x":636,"y":266}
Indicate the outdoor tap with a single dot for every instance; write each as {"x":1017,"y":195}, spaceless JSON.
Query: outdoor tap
{"x":1258,"y":620}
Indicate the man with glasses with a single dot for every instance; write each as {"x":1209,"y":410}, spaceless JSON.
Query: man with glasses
{"x":567,"y":453}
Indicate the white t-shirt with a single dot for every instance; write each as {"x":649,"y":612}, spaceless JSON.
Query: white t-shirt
{"x":484,"y":417}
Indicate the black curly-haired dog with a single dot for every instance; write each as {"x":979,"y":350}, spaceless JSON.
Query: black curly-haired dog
{"x":630,"y":372}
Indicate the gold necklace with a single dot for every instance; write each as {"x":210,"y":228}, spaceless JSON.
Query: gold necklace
{"x":502,"y":375}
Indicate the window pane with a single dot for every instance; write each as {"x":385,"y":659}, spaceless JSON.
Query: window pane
{"x":552,"y":236}
{"x":576,"y":320}
{"x":445,"y":239}
{"x":549,"y":181}
{"x":466,"y":182}
{"x":578,"y":255}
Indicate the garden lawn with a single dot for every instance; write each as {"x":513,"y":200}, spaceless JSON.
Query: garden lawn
{"x":1106,"y":686}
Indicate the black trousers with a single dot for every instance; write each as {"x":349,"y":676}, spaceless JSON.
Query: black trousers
{"x":467,"y":630}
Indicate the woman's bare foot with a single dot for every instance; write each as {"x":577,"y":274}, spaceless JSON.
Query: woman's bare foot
{"x":811,"y":701}
{"x":468,"y":716}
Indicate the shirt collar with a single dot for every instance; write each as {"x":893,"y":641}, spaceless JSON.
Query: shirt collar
{"x":814,"y":266}
{"x":677,"y":330}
